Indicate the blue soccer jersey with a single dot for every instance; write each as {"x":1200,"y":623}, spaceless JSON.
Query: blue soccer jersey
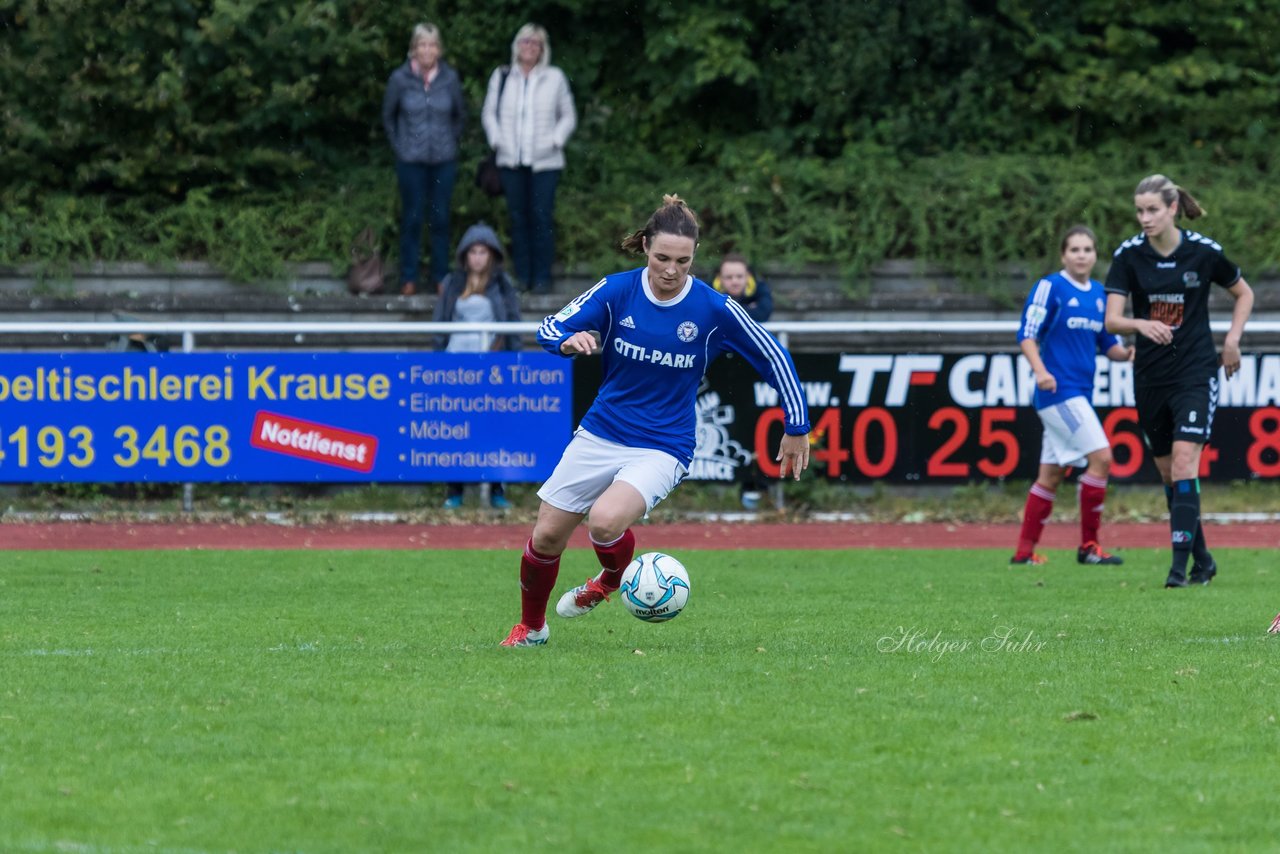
{"x":655,"y":353}
{"x":1066,"y":320}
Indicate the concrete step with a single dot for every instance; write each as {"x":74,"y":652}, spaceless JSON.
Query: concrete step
{"x":897,"y":290}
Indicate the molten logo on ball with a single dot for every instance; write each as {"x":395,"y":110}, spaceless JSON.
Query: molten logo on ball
{"x":655,"y":587}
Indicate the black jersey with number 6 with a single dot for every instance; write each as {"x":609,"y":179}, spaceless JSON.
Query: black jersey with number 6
{"x":1173,"y":289}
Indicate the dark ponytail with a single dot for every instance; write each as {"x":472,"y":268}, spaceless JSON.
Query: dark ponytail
{"x":674,"y":217}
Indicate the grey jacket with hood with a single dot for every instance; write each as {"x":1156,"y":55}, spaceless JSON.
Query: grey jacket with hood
{"x":501,"y":291}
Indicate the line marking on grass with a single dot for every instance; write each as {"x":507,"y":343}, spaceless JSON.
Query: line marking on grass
{"x":1232,"y":639}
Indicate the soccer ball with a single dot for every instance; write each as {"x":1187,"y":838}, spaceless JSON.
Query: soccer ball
{"x":655,"y":587}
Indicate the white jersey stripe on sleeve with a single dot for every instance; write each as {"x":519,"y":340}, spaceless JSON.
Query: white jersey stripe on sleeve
{"x":550,"y":329}
{"x":772,"y":351}
{"x":1039,"y":299}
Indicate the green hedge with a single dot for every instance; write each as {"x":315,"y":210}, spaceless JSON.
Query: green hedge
{"x":958,"y":132}
{"x":970,"y":213}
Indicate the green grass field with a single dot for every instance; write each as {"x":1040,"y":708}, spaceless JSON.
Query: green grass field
{"x":805,"y":701}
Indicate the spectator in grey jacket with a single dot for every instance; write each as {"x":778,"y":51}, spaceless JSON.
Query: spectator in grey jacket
{"x":528,"y":117}
{"x":479,"y":274}
{"x":423,"y":113}
{"x":478,"y":291}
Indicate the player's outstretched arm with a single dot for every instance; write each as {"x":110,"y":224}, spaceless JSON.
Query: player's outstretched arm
{"x":793,"y":453}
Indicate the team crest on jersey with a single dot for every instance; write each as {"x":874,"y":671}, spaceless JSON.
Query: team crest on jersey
{"x":1101,"y":307}
{"x":1191,"y":279}
{"x":687,"y":331}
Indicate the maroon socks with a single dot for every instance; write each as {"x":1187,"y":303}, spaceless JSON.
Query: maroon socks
{"x":614,"y":557}
{"x":538,"y":574}
{"x":1093,"y":494}
{"x":1039,"y":506}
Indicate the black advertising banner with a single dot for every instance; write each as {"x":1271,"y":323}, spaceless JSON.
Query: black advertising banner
{"x":950,"y":418}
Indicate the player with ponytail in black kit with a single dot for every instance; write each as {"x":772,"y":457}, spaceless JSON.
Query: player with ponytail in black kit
{"x":1166,"y":273}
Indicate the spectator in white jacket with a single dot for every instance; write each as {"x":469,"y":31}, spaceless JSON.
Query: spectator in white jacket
{"x":528,"y":117}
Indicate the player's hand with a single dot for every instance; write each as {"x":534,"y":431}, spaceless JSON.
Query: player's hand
{"x":580,"y":344}
{"x":793,"y":453}
{"x":1047,"y":382}
{"x":1230,"y":358}
{"x":1156,"y":330}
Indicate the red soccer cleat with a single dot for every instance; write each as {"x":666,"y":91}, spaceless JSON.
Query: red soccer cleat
{"x":522,"y":635}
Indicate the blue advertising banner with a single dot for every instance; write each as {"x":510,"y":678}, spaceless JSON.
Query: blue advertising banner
{"x":282,"y":417}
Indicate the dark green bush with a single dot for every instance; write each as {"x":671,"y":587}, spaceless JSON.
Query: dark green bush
{"x":961,"y":132}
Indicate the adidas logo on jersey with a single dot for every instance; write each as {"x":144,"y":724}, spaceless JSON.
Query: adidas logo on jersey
{"x":1073,"y":302}
{"x":628,"y":322}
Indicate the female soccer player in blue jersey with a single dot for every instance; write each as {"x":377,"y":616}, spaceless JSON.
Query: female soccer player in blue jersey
{"x":1061,"y":334}
{"x":1166,"y":273}
{"x":656,"y":329}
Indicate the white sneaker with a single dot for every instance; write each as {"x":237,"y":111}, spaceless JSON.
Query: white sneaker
{"x":522,"y":635}
{"x":583,"y":598}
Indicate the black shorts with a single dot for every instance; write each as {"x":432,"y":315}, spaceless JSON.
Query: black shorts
{"x":1182,"y":413}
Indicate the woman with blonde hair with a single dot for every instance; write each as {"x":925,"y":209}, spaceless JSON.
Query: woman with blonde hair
{"x":1165,"y":273}
{"x":528,"y":117}
{"x":423,"y":113}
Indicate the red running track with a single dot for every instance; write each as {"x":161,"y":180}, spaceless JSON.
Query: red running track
{"x":676,"y":536}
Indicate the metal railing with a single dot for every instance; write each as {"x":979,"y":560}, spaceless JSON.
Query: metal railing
{"x":300,"y":329}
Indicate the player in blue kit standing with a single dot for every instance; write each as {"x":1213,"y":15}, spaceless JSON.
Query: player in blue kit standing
{"x":1166,"y":273}
{"x":1061,"y":334}
{"x":656,"y":329}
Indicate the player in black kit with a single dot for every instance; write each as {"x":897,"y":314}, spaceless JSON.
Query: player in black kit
{"x":1166,"y":272}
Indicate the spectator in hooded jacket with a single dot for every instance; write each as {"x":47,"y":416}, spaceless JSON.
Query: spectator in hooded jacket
{"x":423,"y":113}
{"x":736,"y":279}
{"x":528,"y":117}
{"x":478,"y":291}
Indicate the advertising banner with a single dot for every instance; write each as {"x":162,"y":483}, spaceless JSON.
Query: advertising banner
{"x":282,"y":417}
{"x":953,"y":418}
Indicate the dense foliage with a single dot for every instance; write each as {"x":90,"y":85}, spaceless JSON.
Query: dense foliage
{"x":965,"y":132}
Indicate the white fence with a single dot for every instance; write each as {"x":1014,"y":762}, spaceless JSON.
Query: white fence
{"x":301,"y":329}
{"x":784,"y":330}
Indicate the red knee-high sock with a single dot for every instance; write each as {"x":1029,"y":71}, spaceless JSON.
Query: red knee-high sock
{"x":1039,"y":506}
{"x":614,"y":557}
{"x":1093,"y":494}
{"x":537,"y":579}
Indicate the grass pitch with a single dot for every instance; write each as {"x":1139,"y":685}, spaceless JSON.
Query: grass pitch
{"x":805,"y":701}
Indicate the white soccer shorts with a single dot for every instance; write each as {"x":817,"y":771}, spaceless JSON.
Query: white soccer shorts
{"x":1072,"y":431}
{"x":589,"y":465}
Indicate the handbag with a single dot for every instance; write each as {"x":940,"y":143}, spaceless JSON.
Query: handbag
{"x":366,"y":273}
{"x":488,"y":178}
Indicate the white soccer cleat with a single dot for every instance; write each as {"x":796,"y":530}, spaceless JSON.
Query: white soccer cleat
{"x":583,"y":598}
